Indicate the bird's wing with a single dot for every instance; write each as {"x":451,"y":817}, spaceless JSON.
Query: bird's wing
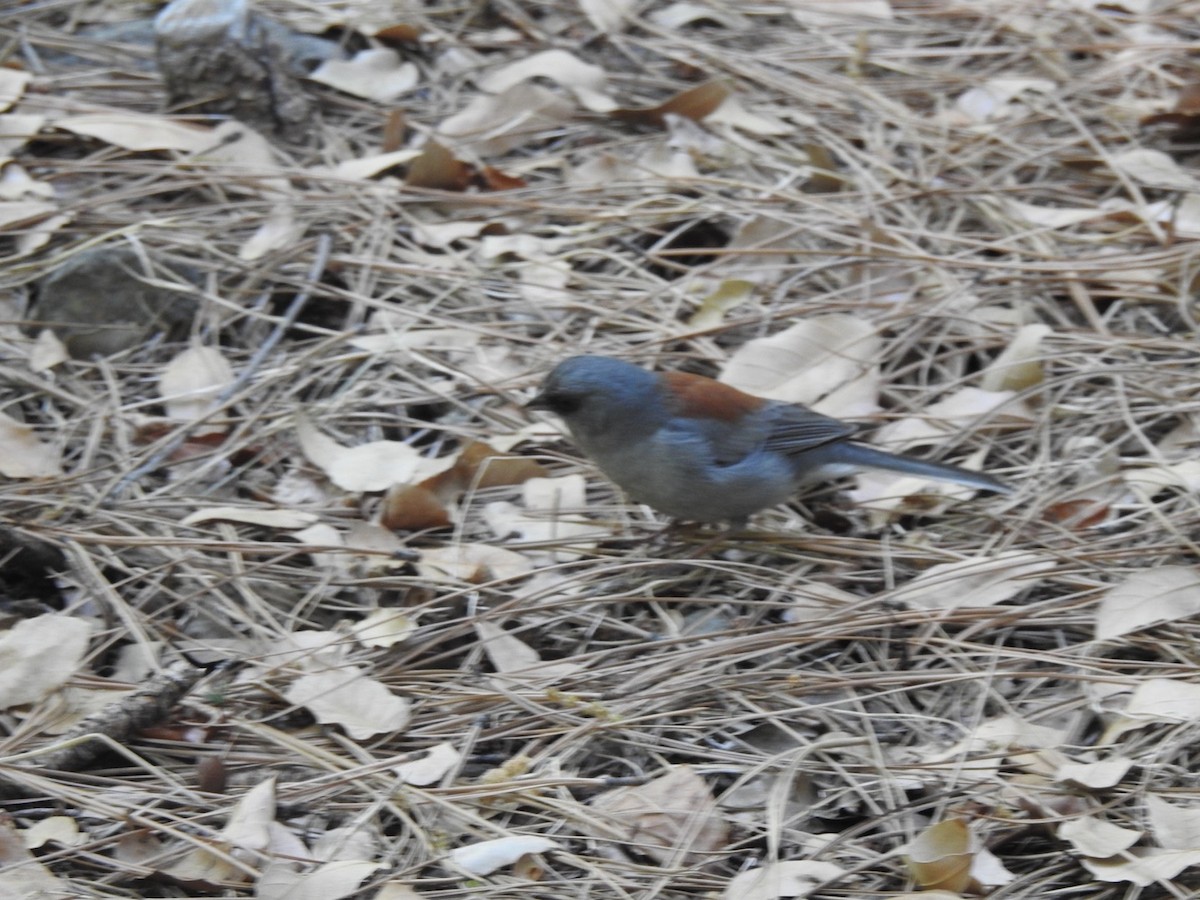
{"x":797,"y":428}
{"x":779,"y":428}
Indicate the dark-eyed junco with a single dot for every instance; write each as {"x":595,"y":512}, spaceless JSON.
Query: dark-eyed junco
{"x":699,"y":450}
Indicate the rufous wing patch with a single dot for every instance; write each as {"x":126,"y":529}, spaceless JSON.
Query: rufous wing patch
{"x":697,"y":397}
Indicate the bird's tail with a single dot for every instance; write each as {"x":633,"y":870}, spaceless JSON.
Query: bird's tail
{"x":862,"y":456}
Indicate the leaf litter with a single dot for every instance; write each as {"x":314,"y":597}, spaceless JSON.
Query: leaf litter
{"x":437,"y":625}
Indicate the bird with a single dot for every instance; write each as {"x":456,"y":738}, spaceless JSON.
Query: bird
{"x":698,"y":450}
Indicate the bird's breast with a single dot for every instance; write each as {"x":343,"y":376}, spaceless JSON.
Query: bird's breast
{"x":678,"y":475}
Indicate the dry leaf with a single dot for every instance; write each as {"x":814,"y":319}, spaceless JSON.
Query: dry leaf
{"x":506,"y":652}
{"x":62,"y":830}
{"x":384,"y":628}
{"x":492,"y":179}
{"x":375,"y":466}
{"x":694,"y":103}
{"x":606,"y":15}
{"x":331,"y":881}
{"x":22,"y":455}
{"x":430,"y":767}
{"x":1092,"y":836}
{"x":356,"y":841}
{"x":12,"y":85}
{"x":956,"y":413}
{"x":712,"y":309}
{"x":401,"y":34}
{"x":995,"y":98}
{"x":1151,"y":479}
{"x":477,"y":466}
{"x":47,"y":352}
{"x":375,"y":550}
{"x":587,"y":82}
{"x":731,"y":112}
{"x":1174,"y":827}
{"x":375,"y":74}
{"x":413,"y":507}
{"x":350,"y":698}
{"x":22,"y":875}
{"x":677,"y":15}
{"x":1153,"y":168}
{"x":389,"y":337}
{"x":672,"y":819}
{"x":39,"y":655}
{"x":192,"y":381}
{"x":1020,"y":365}
{"x":544,"y":283}
{"x":1161,"y":594}
{"x":546,"y":502}
{"x":287,"y":519}
{"x":16,"y":183}
{"x":238,"y":149}
{"x":438,"y":235}
{"x":494,"y":124}
{"x":1051,"y":216}
{"x":787,"y":878}
{"x":484,"y":466}
{"x":813,"y":600}
{"x":939,"y":858}
{"x":1099,"y":775}
{"x":395,"y":890}
{"x":1156,"y":700}
{"x":983,"y":750}
{"x":366,"y":167}
{"x":141,"y":131}
{"x":819,"y":13}
{"x":1079,"y":515}
{"x":438,"y":169}
{"x":249,"y":828}
{"x":1142,"y":865}
{"x":971,"y":583}
{"x":810,"y":361}
{"x":325,"y":536}
{"x":472,"y":563}
{"x":1165,"y":700}
{"x":14,"y":213}
{"x":280,"y":229}
{"x":249,"y":824}
{"x":486,"y":857}
{"x":517,"y":661}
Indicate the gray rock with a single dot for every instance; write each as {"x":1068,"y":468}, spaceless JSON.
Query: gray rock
{"x":101,"y":302}
{"x":220,"y":56}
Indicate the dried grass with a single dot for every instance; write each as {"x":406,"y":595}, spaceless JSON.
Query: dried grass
{"x":683,"y":660}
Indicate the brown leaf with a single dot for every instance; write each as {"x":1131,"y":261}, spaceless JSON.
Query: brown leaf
{"x":1077,"y":515}
{"x":400,"y":36}
{"x":694,"y":103}
{"x":438,"y":169}
{"x":395,"y":127}
{"x":211,"y":775}
{"x":1185,"y":113}
{"x":493,"y":179}
{"x":413,"y":507}
{"x":940,"y":856}
{"x":495,"y":469}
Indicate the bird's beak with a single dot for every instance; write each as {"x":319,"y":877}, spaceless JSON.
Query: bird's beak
{"x":538,"y":402}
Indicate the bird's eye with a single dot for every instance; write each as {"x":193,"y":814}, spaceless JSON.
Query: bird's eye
{"x":564,"y":404}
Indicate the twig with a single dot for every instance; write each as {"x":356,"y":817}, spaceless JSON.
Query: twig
{"x":181,"y":434}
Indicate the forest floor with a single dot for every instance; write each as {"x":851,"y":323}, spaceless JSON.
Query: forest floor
{"x":416,"y":646}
